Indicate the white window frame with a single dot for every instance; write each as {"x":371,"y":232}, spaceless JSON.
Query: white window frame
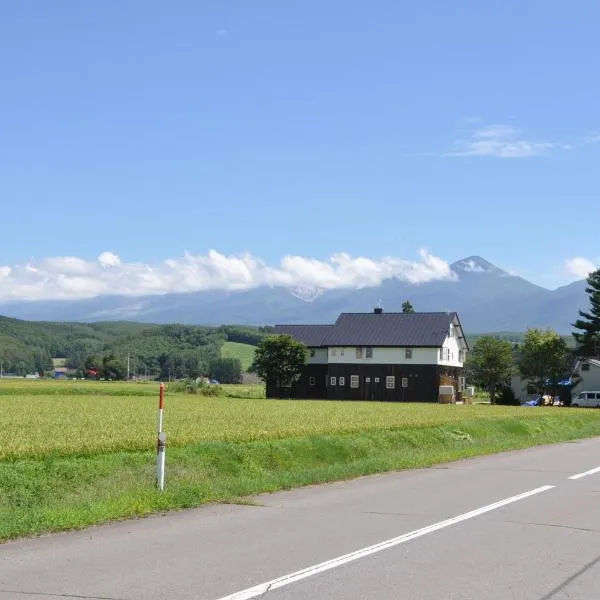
{"x":390,"y":382}
{"x":367,"y":380}
{"x":408,"y":353}
{"x":404,"y":382}
{"x":376,"y":379}
{"x":332,"y":381}
{"x":341,"y":381}
{"x":354,"y":381}
{"x":369,"y":352}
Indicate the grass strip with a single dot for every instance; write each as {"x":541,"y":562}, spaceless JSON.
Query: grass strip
{"x":59,"y":493}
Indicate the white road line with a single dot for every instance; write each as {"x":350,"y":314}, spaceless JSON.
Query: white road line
{"x":263,"y":588}
{"x":586,"y":473}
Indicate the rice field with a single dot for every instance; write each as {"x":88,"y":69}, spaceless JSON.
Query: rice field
{"x":70,"y":418}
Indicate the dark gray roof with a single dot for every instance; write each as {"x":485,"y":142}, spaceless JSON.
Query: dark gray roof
{"x":371,"y":329}
{"x":390,"y":329}
{"x":312,"y":336}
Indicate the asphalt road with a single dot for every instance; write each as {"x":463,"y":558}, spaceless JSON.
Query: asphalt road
{"x":510,"y":526}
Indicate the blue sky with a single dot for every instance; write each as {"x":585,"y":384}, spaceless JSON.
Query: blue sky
{"x":150,"y":129}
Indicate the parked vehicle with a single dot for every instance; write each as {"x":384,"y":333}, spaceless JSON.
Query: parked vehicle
{"x":587,"y":399}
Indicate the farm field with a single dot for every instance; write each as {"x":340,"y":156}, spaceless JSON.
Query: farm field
{"x":245,"y":352}
{"x":76,"y":453}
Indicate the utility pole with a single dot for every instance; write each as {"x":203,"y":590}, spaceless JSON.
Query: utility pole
{"x":128,"y":367}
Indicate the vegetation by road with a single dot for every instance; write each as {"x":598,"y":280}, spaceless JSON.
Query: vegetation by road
{"x":75,"y":459}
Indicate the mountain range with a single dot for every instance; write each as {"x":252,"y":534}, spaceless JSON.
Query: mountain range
{"x":486,"y":297}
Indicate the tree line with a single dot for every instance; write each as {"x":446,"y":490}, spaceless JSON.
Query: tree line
{"x":112,"y":350}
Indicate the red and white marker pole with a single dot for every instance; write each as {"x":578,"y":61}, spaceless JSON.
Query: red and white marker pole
{"x":161,"y":442}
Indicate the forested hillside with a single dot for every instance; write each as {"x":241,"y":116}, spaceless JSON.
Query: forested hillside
{"x":150,"y":350}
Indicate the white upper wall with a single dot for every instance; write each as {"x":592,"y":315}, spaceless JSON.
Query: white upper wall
{"x":385,"y":356}
{"x":452,"y":353}
{"x":317,"y":356}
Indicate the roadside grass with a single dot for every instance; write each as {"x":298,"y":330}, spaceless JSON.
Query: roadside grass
{"x":73,"y":461}
{"x":245,"y":352}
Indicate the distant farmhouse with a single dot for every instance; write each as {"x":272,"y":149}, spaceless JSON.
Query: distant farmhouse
{"x":587,"y":375}
{"x":584,"y":378}
{"x":60,"y":369}
{"x":402,"y":357}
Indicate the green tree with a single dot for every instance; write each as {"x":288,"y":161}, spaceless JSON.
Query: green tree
{"x":112,"y":367}
{"x":490,"y":364}
{"x":226,"y":370}
{"x":544,"y":359}
{"x":94,"y":363}
{"x":279,"y":359}
{"x":588,"y":337}
{"x":407,"y":307}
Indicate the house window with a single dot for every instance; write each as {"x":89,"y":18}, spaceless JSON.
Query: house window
{"x":332,"y":381}
{"x":441,"y":354}
{"x":353,"y":381}
{"x":312,"y":352}
{"x":368,"y":352}
{"x":342,"y":352}
{"x":405,"y":382}
{"x":585,"y":367}
{"x":359,"y":353}
{"x":408,"y":353}
{"x":311,"y":381}
{"x":390,"y":382}
{"x":342,"y":381}
{"x":367,"y":380}
{"x":333,"y":352}
{"x":376,"y":379}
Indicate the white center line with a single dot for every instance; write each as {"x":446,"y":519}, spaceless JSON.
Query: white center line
{"x":263,"y":588}
{"x":586,"y":473}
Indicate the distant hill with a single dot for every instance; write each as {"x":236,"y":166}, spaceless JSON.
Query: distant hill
{"x":486,"y":297}
{"x":30,"y":346}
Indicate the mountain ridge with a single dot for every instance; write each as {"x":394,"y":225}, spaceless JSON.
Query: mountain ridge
{"x":486,"y":297}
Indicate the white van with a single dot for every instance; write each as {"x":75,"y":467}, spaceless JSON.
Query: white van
{"x":587,"y":399}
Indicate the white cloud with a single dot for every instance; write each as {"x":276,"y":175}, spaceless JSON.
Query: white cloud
{"x":593,"y":138}
{"x":580,"y":267}
{"x":66,"y":277}
{"x":222,"y":32}
{"x":502,"y":141}
{"x":108,"y":259}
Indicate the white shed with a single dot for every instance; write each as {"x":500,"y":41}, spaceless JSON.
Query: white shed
{"x":588,"y":373}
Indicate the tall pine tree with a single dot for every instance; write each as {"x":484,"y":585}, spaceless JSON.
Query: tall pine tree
{"x":588,"y":336}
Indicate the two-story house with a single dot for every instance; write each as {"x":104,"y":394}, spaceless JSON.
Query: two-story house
{"x":379,"y":356}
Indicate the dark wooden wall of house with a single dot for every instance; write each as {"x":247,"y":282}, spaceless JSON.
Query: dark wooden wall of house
{"x":423,"y":382}
{"x":303,"y":388}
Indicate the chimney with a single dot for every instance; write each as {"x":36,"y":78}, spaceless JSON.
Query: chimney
{"x":378,"y":310}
